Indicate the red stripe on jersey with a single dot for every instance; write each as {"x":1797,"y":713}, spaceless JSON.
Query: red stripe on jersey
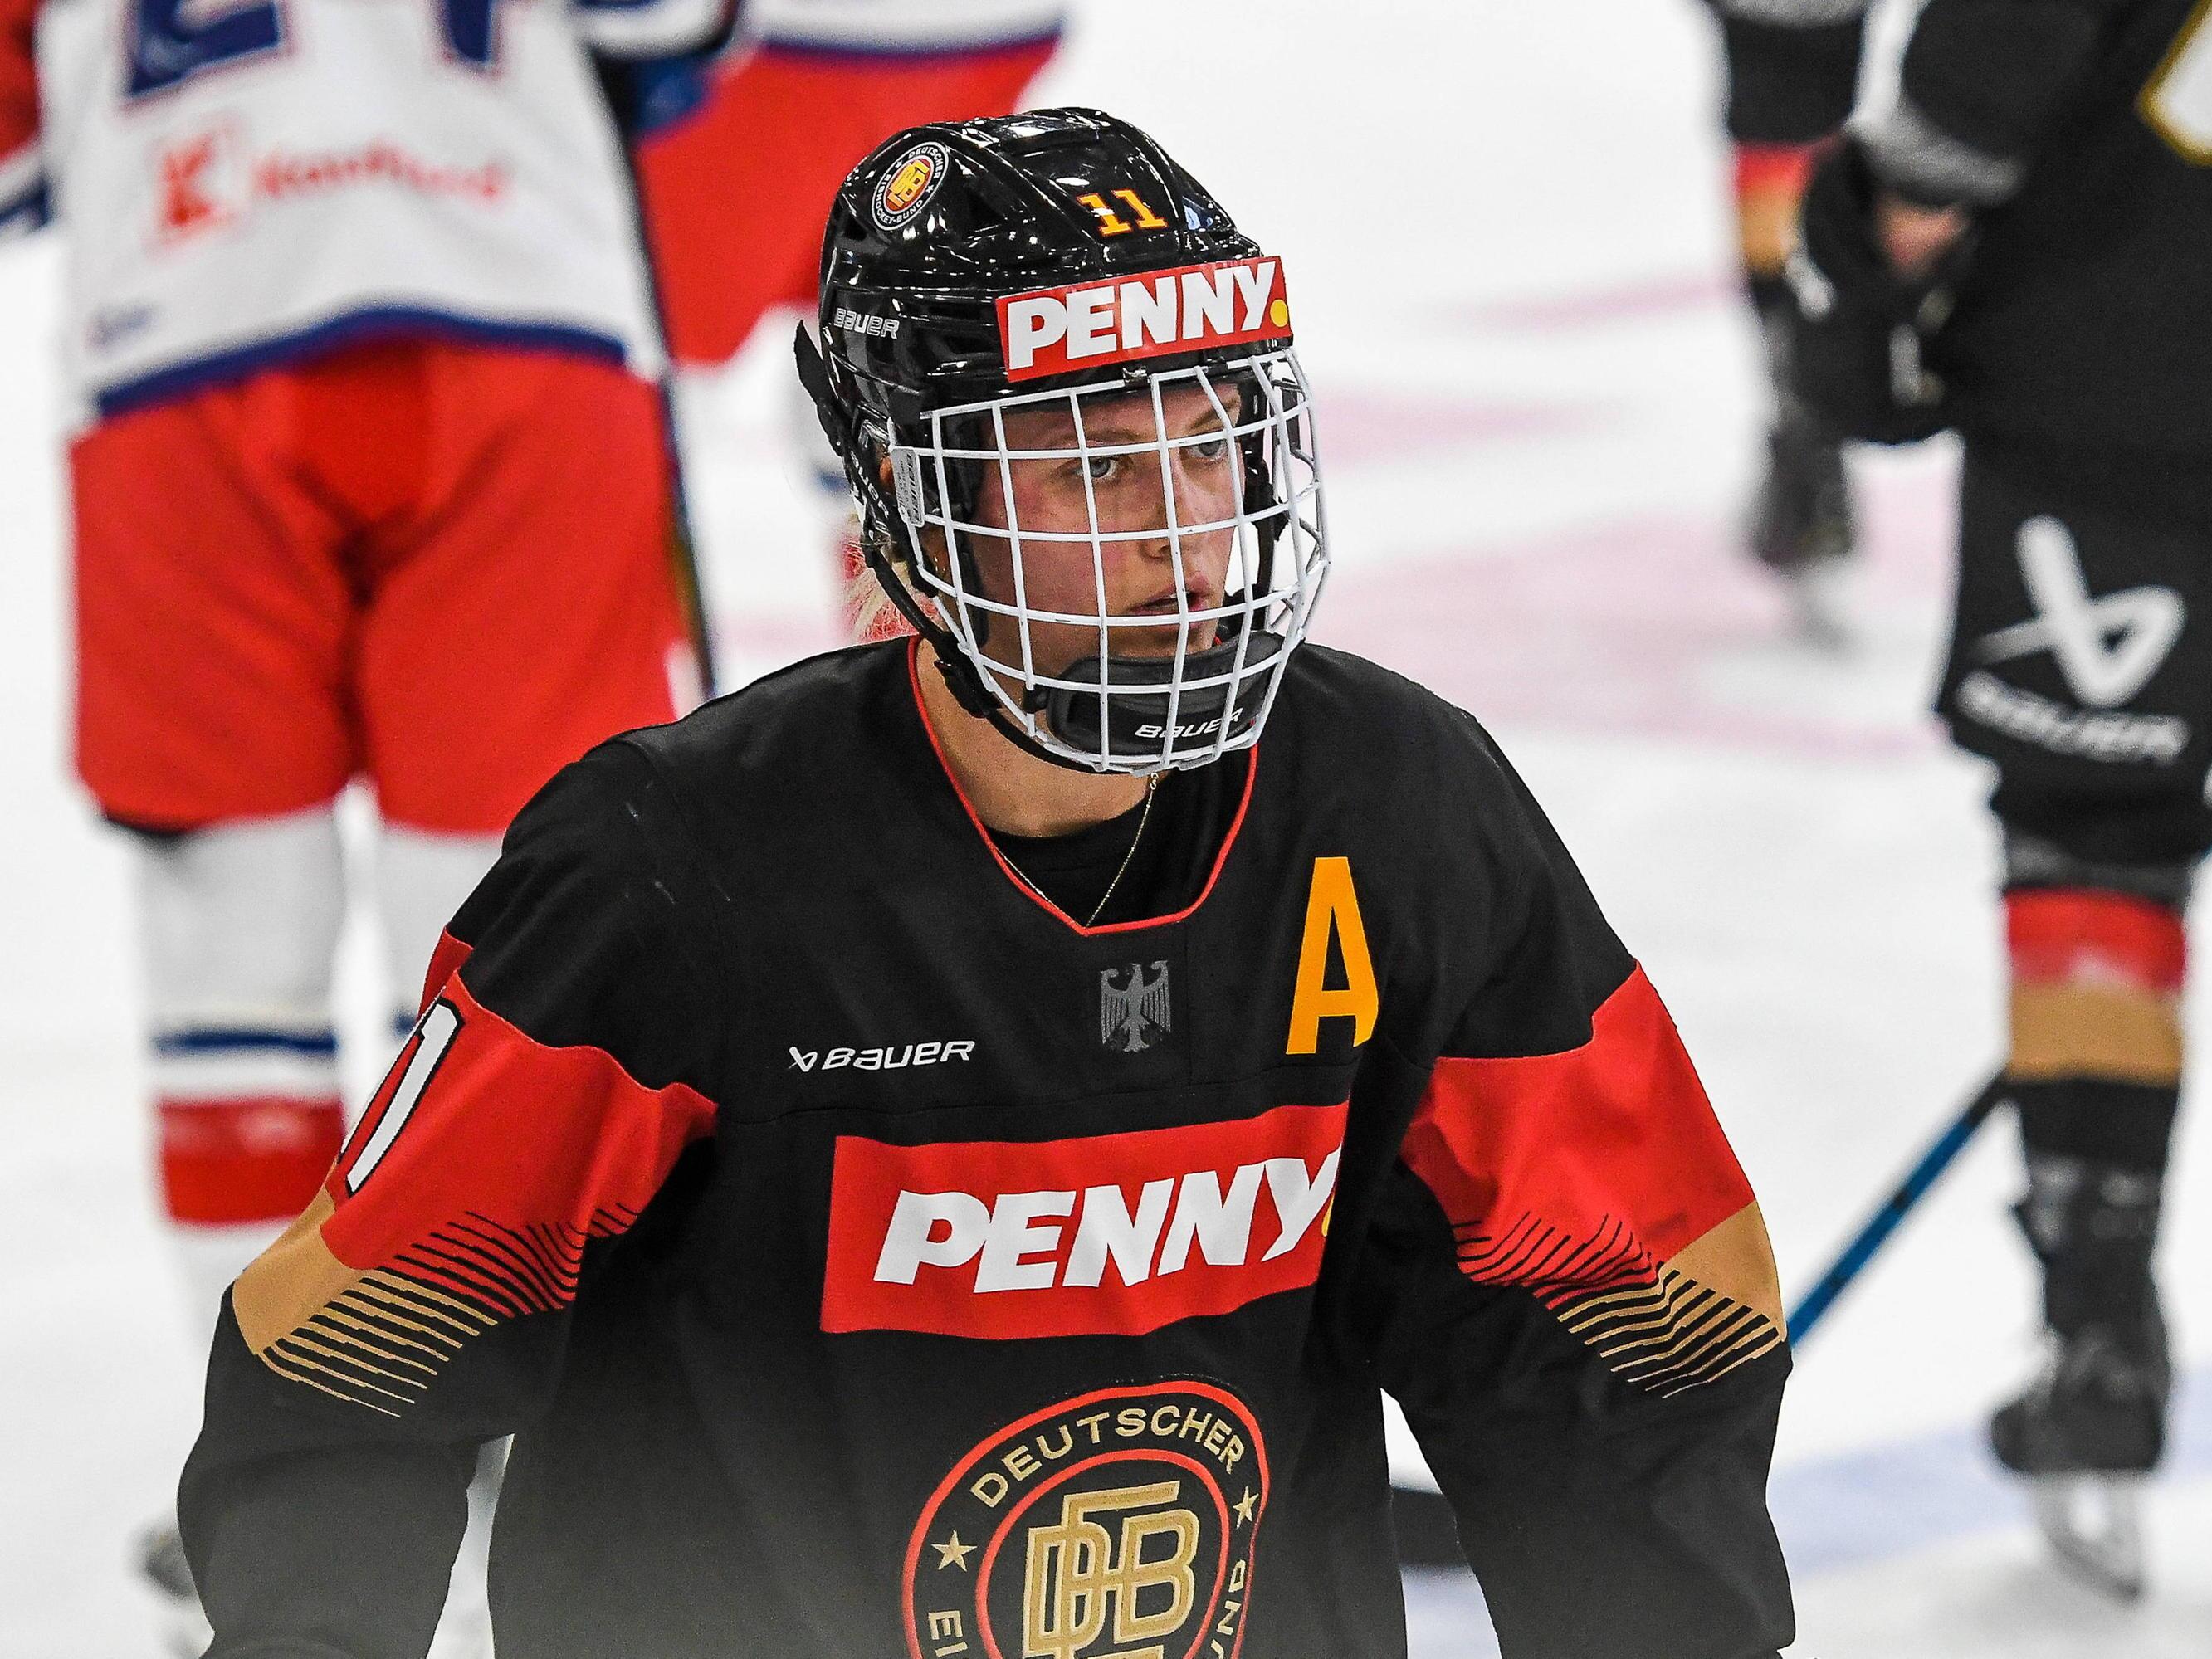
{"x":256,"y":1157}
{"x":1014,"y":876}
{"x":525,"y":1148}
{"x":1605,"y":1160}
{"x":2071,"y":936}
{"x":19,"y":79}
{"x":445,"y":961}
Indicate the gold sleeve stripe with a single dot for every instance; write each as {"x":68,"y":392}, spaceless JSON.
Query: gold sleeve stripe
{"x":1736,"y":1260}
{"x":379,"y":1338}
{"x":284,"y":1285}
{"x":1664,"y":1326}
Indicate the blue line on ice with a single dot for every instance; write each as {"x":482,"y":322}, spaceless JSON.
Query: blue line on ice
{"x":1835,"y":1513}
{"x":1906,"y":1495}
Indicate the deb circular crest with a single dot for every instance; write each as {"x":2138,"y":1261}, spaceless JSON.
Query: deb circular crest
{"x":1119,"y":1521}
{"x":908,"y":182}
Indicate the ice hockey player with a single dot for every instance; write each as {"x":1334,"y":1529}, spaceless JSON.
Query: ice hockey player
{"x":1792,"y":68}
{"x":937,"y":1152}
{"x":805,"y":90}
{"x":371,"y":481}
{"x":2016,"y":251}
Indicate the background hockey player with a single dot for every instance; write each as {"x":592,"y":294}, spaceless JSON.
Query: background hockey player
{"x":806,"y":89}
{"x":1792,"y":70}
{"x":371,"y":480}
{"x":936,"y":1151}
{"x":2017,"y":251}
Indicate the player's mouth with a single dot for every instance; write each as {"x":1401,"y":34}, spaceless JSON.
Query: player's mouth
{"x":1194,"y":596}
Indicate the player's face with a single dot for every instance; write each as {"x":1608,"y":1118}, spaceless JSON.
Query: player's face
{"x":1054,"y":511}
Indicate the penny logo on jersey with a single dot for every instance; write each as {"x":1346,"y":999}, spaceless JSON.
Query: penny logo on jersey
{"x":1118,"y":1525}
{"x":908,"y":185}
{"x":1116,"y":1234}
{"x":1053,"y":331}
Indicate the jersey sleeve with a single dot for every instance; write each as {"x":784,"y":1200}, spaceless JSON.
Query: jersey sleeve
{"x":22,"y":178}
{"x":1793,"y":67}
{"x":652,"y":28}
{"x":421,"y":1306}
{"x":1982,"y":83}
{"x":1579,"y":1308}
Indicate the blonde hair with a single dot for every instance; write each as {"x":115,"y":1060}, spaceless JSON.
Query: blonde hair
{"x":869,"y":612}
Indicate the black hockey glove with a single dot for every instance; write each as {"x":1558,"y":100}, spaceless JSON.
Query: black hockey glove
{"x":1860,"y":333}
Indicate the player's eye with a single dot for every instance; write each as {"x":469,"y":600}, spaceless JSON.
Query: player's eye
{"x":1211,"y":451}
{"x":1103,"y":468}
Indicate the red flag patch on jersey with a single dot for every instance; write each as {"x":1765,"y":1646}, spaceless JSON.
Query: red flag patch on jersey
{"x":1103,"y":1235}
{"x":1055,"y":331}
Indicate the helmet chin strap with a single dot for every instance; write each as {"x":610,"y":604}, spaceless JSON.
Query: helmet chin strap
{"x":1135,"y":718}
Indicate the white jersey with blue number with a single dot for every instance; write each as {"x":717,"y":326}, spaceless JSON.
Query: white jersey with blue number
{"x":244,"y":183}
{"x":900,"y":28}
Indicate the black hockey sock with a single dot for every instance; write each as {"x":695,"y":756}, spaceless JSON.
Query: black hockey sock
{"x":2095,"y":1071}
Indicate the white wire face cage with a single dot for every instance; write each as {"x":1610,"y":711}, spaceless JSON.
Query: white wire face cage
{"x":1114,"y":710}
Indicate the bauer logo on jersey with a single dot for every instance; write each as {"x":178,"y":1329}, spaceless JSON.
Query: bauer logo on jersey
{"x":1126,"y":319}
{"x":1119,"y":1233}
{"x":908,"y":185}
{"x":1116,"y":1525}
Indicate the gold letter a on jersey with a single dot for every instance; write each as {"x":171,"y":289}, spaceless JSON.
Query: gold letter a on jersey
{"x":1332,"y":908}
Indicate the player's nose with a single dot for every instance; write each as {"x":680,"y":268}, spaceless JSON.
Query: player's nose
{"x":1192,"y":506}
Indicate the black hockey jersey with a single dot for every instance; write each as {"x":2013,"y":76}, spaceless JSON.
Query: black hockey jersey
{"x":870,"y":1261}
{"x":2081,"y":133}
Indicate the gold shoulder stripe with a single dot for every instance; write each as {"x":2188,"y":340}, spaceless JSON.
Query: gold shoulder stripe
{"x":291,"y":1281}
{"x":1663,"y":1326}
{"x":1736,"y":1260}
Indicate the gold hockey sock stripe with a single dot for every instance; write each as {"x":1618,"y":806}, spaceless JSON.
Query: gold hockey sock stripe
{"x":2128,"y":1034}
{"x":2096,"y":984}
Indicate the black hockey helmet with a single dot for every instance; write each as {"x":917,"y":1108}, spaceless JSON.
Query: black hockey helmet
{"x":1051,"y":259}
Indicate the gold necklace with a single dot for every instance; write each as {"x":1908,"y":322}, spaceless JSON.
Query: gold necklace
{"x":1151,"y":789}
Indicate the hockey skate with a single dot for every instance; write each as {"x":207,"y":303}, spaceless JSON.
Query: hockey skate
{"x":1801,"y":528}
{"x":1801,"y":524}
{"x":184,"y":1627}
{"x":2085,"y":1434}
{"x":2091,"y":1426}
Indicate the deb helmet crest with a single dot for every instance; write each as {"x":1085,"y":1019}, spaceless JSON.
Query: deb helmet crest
{"x":1059,"y":262}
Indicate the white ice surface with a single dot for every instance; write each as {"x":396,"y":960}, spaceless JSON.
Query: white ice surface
{"x":1504,"y":227}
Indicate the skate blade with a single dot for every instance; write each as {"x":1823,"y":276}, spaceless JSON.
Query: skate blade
{"x":2094,"y":1524}
{"x":185,"y":1631}
{"x":1819,"y":604}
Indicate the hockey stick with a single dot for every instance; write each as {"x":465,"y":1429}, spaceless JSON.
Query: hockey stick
{"x":1870,"y":1238}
